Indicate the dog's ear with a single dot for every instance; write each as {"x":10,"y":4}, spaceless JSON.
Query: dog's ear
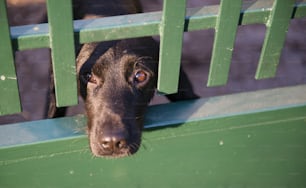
{"x":185,"y":89}
{"x":84,"y":77}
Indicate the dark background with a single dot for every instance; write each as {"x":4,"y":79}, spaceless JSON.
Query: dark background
{"x":33,"y":65}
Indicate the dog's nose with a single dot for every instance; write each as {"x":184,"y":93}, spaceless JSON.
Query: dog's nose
{"x":113,"y":143}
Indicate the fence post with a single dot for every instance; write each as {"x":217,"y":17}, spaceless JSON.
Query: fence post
{"x":225,"y":34}
{"x":277,"y":27}
{"x":171,"y":39}
{"x":63,"y":53}
{"x":10,"y":101}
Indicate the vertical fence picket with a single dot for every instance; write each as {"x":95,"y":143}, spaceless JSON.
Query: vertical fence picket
{"x":277,"y":27}
{"x":225,"y":34}
{"x":10,"y":102}
{"x":171,"y":37}
{"x":63,"y":53}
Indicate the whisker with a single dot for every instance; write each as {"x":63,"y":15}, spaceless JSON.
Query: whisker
{"x":85,"y":150}
{"x":134,"y":147}
{"x":93,"y":156}
{"x":139,"y":117}
{"x":133,"y":118}
{"x":144,"y":146}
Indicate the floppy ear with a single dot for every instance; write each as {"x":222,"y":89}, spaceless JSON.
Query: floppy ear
{"x":83,"y":81}
{"x":185,"y":90}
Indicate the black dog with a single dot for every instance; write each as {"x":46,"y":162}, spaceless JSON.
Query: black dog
{"x":117,"y":80}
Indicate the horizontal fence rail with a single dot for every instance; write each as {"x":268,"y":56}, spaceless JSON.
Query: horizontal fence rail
{"x":168,"y":24}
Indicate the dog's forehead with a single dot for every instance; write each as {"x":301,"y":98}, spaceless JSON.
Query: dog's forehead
{"x":117,"y":58}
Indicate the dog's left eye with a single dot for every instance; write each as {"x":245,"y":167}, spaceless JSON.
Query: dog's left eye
{"x":140,"y":76}
{"x":91,"y":78}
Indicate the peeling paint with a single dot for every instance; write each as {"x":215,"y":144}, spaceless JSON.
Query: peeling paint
{"x":36,"y":28}
{"x":11,"y":78}
{"x":230,"y":49}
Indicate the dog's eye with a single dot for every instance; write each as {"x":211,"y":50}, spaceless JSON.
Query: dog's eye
{"x":140,"y":76}
{"x":91,"y":78}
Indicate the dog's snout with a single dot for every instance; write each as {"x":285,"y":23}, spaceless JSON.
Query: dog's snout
{"x":113,"y":143}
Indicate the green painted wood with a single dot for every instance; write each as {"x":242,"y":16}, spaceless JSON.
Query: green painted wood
{"x":147,"y":24}
{"x":30,"y":36}
{"x":63,"y":53}
{"x":202,"y":143}
{"x":300,"y":9}
{"x":171,"y":40}
{"x":260,"y":155}
{"x":255,"y":12}
{"x":225,"y":34}
{"x":161,"y":115}
{"x":201,"y":18}
{"x":117,"y":27}
{"x":277,"y":27}
{"x":10,"y":102}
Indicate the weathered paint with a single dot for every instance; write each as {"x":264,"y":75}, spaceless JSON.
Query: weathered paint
{"x":171,"y":41}
{"x":62,"y":52}
{"x":277,"y":27}
{"x":215,"y":142}
{"x":146,"y":24}
{"x":225,"y":34}
{"x":9,"y":95}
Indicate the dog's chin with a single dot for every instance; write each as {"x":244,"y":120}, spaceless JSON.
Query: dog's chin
{"x":98,"y":152}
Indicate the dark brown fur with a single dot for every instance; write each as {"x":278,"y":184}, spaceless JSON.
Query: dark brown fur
{"x":115,"y":100}
{"x":117,"y":80}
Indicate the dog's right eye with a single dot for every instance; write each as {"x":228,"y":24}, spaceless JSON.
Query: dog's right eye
{"x":140,"y":76}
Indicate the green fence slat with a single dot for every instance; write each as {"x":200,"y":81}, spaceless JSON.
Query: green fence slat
{"x":63,"y":53}
{"x":9,"y":97}
{"x":225,"y":34}
{"x":171,"y":39}
{"x":300,"y":9}
{"x":277,"y":27}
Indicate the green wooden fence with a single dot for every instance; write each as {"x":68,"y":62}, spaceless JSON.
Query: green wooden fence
{"x":254,"y":139}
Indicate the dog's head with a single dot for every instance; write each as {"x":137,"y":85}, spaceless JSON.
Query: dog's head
{"x":117,"y":90}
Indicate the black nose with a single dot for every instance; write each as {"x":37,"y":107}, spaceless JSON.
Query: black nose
{"x":113,"y":143}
